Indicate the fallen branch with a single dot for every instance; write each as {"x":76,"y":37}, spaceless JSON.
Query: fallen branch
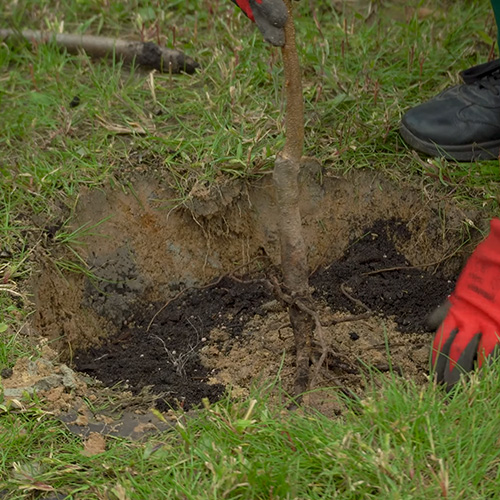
{"x":146,"y":54}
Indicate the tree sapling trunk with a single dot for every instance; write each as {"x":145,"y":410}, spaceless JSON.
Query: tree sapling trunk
{"x":286,"y":181}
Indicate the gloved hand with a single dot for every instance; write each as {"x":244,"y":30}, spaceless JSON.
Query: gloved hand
{"x":270,"y":17}
{"x":471,"y":328}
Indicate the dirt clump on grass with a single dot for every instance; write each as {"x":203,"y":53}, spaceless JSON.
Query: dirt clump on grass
{"x":177,"y":298}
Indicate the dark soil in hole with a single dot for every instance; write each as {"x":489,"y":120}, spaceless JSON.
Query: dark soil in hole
{"x":381,"y":278}
{"x":167,"y":356}
{"x":145,"y":249}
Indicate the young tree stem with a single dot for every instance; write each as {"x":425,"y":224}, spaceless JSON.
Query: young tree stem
{"x":294,"y":117}
{"x":286,"y":181}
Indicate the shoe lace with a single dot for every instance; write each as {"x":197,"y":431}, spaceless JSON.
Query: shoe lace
{"x":484,"y":76}
{"x":490,"y":82}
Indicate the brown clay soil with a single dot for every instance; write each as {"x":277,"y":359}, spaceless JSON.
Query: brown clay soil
{"x":178,"y":302}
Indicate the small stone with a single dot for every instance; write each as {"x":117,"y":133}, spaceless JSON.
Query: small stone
{"x":47,"y":383}
{"x":6,"y":373}
{"x":68,"y":378}
{"x":17,"y":392}
{"x":40,"y":367}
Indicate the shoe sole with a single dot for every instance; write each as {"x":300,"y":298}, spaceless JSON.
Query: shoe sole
{"x":465,"y":153}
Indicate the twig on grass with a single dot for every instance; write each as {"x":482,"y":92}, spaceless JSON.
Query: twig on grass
{"x":146,"y":54}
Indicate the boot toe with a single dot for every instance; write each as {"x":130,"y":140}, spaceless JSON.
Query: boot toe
{"x":455,"y":124}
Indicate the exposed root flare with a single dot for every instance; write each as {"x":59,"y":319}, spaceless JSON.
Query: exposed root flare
{"x":325,"y":350}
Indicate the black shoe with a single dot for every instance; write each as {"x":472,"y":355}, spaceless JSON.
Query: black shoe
{"x":463,"y":122}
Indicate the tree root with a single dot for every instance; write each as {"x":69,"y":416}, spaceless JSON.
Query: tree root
{"x":325,"y":349}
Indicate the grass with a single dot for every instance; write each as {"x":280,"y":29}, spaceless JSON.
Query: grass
{"x":361,"y":73}
{"x":401,"y":442}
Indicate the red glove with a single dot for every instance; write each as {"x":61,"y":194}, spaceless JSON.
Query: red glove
{"x":471,"y":328}
{"x":270,"y":17}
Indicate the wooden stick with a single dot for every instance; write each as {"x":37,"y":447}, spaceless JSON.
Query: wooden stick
{"x":145,"y":54}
